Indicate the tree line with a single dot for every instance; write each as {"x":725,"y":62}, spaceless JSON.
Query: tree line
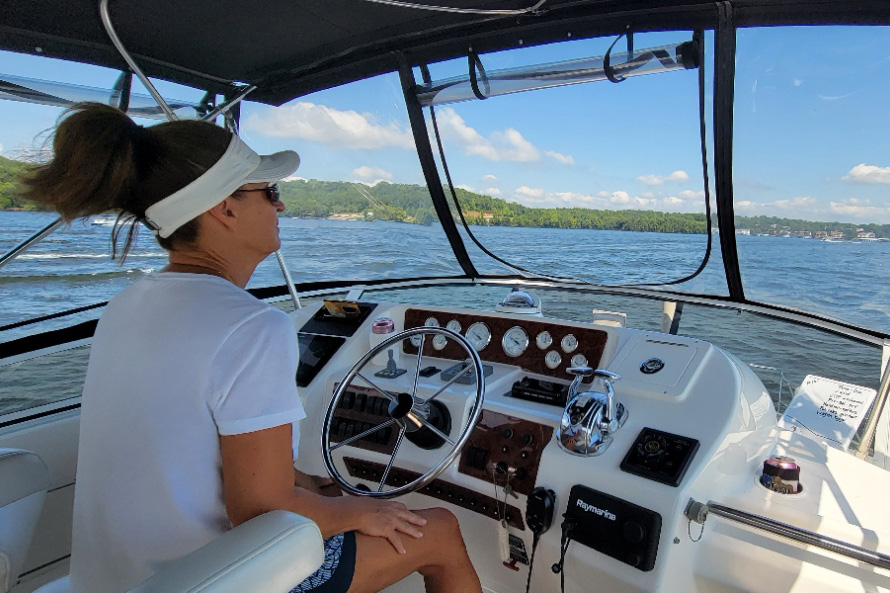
{"x":412,"y":204}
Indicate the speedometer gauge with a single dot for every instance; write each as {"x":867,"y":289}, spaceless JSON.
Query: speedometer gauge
{"x":479,"y":336}
{"x":515,"y":341}
{"x":552,"y":359}
{"x":569,"y":343}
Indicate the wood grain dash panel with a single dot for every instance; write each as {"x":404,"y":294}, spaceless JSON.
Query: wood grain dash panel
{"x":591,"y":342}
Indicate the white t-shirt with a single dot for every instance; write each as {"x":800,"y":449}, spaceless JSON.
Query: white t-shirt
{"x":177,"y":359}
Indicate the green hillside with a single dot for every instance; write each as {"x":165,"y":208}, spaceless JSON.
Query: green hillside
{"x":412,"y":204}
{"x":9,"y":172}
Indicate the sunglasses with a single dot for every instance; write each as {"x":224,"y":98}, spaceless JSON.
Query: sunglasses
{"x":272,"y":193}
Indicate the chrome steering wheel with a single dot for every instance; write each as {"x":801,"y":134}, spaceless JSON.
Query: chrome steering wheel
{"x":406,"y":410}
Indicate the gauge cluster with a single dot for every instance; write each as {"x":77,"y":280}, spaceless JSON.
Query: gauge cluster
{"x":539,"y":346}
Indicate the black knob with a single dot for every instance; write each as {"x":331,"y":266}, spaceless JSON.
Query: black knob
{"x":507,"y":433}
{"x":502,"y":467}
{"x":633,"y":532}
{"x":520,"y":474}
{"x":527,"y":439}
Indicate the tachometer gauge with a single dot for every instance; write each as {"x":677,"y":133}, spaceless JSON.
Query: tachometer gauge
{"x":552,"y":359}
{"x":544,"y":340}
{"x":439,"y":341}
{"x":479,"y":336}
{"x":515,"y":341}
{"x":569,"y":343}
{"x":431,"y":322}
{"x":454,"y":325}
{"x":579,"y":360}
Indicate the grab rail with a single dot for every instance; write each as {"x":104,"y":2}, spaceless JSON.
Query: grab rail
{"x":698,"y":512}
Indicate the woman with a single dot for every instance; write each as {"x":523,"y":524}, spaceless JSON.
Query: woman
{"x":190,"y":410}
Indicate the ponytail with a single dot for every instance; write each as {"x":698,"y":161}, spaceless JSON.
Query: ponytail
{"x":103,"y":161}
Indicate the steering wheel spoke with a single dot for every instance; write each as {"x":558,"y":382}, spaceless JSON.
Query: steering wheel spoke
{"x":392,"y":459}
{"x":438,"y":432}
{"x":382,"y":391}
{"x":427,"y":427}
{"x":362,"y":435}
{"x":450,"y":382}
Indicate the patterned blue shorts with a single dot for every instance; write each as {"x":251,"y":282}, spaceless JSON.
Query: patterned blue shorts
{"x":335,"y":574}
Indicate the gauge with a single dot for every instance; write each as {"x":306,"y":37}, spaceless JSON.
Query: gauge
{"x":579,"y":360}
{"x":544,"y":340}
{"x":479,"y":336}
{"x":515,"y":341}
{"x":431,"y":322}
{"x":552,"y":359}
{"x":415,"y":340}
{"x":569,"y":343}
{"x":454,"y":325}
{"x":439,"y":341}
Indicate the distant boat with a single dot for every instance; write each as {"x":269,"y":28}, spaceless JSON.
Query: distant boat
{"x":103,"y":221}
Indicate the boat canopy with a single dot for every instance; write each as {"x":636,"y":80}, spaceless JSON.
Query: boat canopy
{"x":287,"y":48}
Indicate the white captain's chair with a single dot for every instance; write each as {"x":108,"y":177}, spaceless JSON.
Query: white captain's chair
{"x":272,"y":553}
{"x":23,"y":483}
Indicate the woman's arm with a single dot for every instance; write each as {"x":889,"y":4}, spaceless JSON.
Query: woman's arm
{"x":258,"y":477}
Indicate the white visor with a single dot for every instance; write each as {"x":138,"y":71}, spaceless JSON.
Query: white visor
{"x":238,"y":166}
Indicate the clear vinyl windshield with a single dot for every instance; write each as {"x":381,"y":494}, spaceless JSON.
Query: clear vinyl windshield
{"x":587,"y":178}
{"x":812,"y":170}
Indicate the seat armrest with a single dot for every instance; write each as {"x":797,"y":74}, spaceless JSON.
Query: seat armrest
{"x":272,"y":553}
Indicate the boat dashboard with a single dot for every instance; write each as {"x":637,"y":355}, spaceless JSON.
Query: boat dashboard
{"x":698,"y":422}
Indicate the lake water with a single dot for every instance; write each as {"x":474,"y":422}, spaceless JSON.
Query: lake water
{"x":72,"y":268}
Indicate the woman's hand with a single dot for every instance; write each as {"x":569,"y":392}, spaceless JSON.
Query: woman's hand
{"x":387,"y":519}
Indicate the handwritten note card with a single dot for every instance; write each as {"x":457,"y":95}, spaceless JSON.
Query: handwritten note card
{"x":829,"y":410}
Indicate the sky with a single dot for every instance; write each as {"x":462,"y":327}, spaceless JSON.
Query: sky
{"x":811,"y":128}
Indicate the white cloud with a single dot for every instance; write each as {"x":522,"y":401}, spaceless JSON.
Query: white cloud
{"x":508,"y":145}
{"x":603,"y":200}
{"x":795,"y":203}
{"x":1,"y":148}
{"x":530,"y":192}
{"x":294,"y":178}
{"x":863,"y":173}
{"x":466,"y":187}
{"x":490,"y":179}
{"x":620,"y":197}
{"x":366,"y":173}
{"x":688,"y":194}
{"x":565,"y":159}
{"x":746,"y":206}
{"x":492,"y":191}
{"x":344,"y":129}
{"x":675,"y":177}
{"x":859,"y":208}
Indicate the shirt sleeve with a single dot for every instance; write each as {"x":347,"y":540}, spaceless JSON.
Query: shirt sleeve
{"x":254,"y":376}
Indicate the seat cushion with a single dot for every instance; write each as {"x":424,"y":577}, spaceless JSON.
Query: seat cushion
{"x":23,"y":484}
{"x":270,"y":553}
{"x":21,"y":473}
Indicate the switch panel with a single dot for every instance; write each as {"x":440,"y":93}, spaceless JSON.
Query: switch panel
{"x":660,"y":456}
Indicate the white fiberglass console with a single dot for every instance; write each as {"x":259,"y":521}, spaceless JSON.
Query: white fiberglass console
{"x":699,"y":425}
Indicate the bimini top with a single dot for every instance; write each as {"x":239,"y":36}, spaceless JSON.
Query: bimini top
{"x":288,"y":48}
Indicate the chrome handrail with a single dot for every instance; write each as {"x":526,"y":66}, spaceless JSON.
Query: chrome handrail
{"x":698,"y":512}
{"x":27,"y":243}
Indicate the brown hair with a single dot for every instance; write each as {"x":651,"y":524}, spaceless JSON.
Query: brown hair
{"x":102,"y":161}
